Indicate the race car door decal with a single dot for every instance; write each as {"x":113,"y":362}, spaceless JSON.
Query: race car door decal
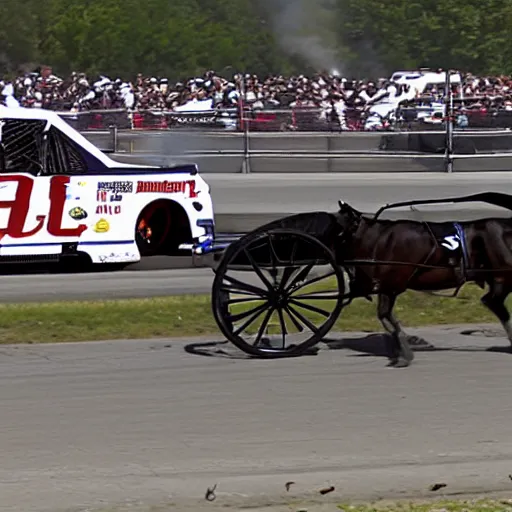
{"x":20,"y":194}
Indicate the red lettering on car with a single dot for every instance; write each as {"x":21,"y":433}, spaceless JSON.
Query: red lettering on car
{"x":57,"y":200}
{"x":18,"y":208}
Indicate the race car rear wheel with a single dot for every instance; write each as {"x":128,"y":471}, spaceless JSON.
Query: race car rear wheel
{"x":152,"y":228}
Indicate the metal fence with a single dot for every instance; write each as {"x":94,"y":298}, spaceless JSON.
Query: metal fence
{"x":420,"y":117}
{"x":418,"y":137}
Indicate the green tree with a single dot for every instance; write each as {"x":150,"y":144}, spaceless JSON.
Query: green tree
{"x":462,"y":34}
{"x":168,"y":38}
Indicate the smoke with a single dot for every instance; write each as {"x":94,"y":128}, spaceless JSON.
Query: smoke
{"x":302,"y":27}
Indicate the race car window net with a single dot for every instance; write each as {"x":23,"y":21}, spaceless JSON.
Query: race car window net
{"x":27,"y":149}
{"x":22,"y":143}
{"x":2,"y":158}
{"x":63,"y":155}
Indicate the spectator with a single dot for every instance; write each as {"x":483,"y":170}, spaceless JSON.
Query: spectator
{"x":338,"y":99}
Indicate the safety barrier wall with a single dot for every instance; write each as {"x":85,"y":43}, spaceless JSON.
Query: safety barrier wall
{"x":235,"y":141}
{"x":312,"y":152}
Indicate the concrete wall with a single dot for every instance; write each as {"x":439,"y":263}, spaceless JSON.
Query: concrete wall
{"x":223,"y":152}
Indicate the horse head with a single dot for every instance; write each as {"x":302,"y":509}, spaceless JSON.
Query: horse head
{"x":348,"y":218}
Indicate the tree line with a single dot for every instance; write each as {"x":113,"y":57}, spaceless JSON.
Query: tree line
{"x":183,"y":38}
{"x":470,"y":35}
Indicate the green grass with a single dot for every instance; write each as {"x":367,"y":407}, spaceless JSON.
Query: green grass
{"x":483,"y":505}
{"x":191,"y":316}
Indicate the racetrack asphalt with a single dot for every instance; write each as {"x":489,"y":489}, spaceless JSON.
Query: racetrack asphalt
{"x":105,"y":286}
{"x":243,"y":202}
{"x":85,"y":426}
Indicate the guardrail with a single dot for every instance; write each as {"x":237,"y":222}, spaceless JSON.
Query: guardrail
{"x":312,"y":152}
{"x":242,"y":140}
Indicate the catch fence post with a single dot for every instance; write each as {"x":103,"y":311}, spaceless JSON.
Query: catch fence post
{"x":449,"y":123}
{"x":246,"y":162}
{"x":114,"y":138}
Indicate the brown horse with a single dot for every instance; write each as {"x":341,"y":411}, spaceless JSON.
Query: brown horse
{"x":388,"y":257}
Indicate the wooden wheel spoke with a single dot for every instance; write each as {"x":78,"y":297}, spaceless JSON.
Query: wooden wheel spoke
{"x":260,"y":292}
{"x":240,"y":300}
{"x":239,"y":291}
{"x":258,"y":312}
{"x":297,"y":325}
{"x":316,"y":280}
{"x":301,"y":275}
{"x":287,"y":273}
{"x":311,"y":308}
{"x":317,"y":296}
{"x":263,"y":325}
{"x":284,"y":330}
{"x":304,"y":320}
{"x":245,"y":314}
{"x":258,"y":271}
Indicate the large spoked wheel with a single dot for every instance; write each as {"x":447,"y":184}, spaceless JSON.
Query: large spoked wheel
{"x":277,"y":293}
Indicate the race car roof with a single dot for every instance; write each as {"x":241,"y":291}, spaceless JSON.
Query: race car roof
{"x":53,"y":119}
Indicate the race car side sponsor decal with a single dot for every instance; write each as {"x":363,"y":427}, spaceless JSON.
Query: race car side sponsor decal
{"x":107,"y":209}
{"x":78,"y":213}
{"x":118,"y":187}
{"x":167,"y":187}
{"x":102,"y":226}
{"x":102,"y":196}
{"x":18,"y":226}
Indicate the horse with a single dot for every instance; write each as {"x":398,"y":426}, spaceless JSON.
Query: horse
{"x":388,"y":257}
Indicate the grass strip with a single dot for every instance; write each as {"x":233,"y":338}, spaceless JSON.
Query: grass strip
{"x":191,"y":316}
{"x":475,"y":505}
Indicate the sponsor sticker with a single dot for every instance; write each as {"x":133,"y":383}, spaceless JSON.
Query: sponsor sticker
{"x":101,"y":197}
{"x":107,"y":209}
{"x":77,"y":213}
{"x":102,"y":226}
{"x":118,"y":187}
{"x":167,"y":187}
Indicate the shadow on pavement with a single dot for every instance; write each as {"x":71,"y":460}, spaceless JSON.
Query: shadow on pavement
{"x":225,"y":349}
{"x":371,"y":345}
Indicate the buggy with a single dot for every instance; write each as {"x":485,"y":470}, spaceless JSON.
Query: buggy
{"x":281,"y":288}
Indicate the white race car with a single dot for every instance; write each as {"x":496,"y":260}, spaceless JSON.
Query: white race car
{"x":61,"y":197}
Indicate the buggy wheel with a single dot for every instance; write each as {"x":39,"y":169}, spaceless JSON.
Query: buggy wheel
{"x":277,"y":293}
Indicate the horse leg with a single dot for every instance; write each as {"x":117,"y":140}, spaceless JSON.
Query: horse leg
{"x":402,"y":355}
{"x":494,"y":300}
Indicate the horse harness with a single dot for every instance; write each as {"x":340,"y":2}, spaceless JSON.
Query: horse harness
{"x":453,"y":241}
{"x":450,"y":237}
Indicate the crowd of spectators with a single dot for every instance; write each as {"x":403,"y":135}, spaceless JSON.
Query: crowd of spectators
{"x":328,"y":92}
{"x":78,"y":92}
